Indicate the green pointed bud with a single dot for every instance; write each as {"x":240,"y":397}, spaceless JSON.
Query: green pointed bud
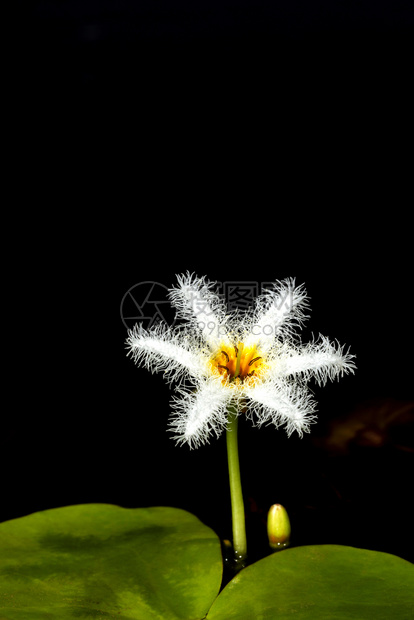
{"x":278,"y":527}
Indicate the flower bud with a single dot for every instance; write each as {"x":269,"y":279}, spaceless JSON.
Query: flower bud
{"x":278,"y":527}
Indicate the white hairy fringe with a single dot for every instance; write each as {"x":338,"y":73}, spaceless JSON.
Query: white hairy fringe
{"x":171,"y":351}
{"x":196,"y":302}
{"x":198,"y":414}
{"x":283,"y":403}
{"x":278,"y":312}
{"x":321,"y":360}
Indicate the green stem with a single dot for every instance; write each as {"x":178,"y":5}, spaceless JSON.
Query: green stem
{"x":237,"y":505}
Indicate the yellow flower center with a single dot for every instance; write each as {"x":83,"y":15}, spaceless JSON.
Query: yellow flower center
{"x":237,"y":362}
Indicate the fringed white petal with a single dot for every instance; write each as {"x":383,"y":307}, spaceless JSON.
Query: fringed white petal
{"x":195,"y":301}
{"x":201,"y":413}
{"x":167,"y":350}
{"x":278,"y":313}
{"x":282,"y":403}
{"x":322,"y":360}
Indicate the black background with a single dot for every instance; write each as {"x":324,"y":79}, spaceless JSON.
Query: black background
{"x":245,"y":142}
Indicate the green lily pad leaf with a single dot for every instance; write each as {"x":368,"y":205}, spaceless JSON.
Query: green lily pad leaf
{"x":102,"y":561}
{"x":324,"y":582}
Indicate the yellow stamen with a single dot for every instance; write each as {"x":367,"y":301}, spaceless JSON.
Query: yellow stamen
{"x":239,"y":354}
{"x":254,"y":360}
{"x":237,"y":362}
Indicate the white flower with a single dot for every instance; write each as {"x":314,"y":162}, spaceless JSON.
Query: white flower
{"x":250,"y":360}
